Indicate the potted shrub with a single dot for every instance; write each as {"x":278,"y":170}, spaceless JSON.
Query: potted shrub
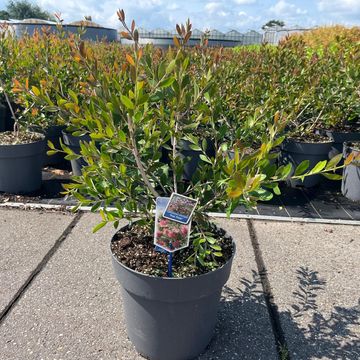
{"x":45,"y":66}
{"x":21,"y":152}
{"x":135,"y":110}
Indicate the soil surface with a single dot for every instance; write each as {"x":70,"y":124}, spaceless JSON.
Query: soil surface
{"x":10,"y":138}
{"x":134,"y":248}
{"x":312,"y":138}
{"x":355,"y":145}
{"x":350,"y":127}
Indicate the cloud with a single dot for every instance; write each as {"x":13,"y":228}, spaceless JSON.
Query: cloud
{"x":339,"y":6}
{"x":285,"y":9}
{"x":212,"y":7}
{"x":244,"y":2}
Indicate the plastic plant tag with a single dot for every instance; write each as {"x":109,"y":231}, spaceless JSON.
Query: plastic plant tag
{"x":180,"y":208}
{"x":169,"y":235}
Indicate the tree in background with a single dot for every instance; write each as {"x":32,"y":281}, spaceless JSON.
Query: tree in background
{"x":4,"y":15}
{"x":22,"y":9}
{"x":273,"y":23}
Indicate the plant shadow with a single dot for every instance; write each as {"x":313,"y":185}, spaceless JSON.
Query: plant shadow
{"x":244,"y":328}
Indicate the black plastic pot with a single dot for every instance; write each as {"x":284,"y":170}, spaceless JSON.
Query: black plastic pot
{"x":170,"y":318}
{"x":54,"y":134}
{"x":350,"y":185}
{"x":339,"y":138}
{"x":3,"y":116}
{"x":6,"y":120}
{"x":20,"y":167}
{"x":192,"y":156}
{"x":73,"y":142}
{"x":294,"y":152}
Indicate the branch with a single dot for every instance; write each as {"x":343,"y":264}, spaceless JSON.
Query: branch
{"x":137,"y":158}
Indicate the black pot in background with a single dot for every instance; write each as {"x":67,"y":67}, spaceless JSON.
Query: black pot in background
{"x":294,"y":152}
{"x":193,"y":156}
{"x":3,"y":115}
{"x":170,"y":318}
{"x":350,"y":185}
{"x":339,"y":138}
{"x":73,"y":142}
{"x":6,"y":120}
{"x":54,"y":134}
{"x":20,"y":167}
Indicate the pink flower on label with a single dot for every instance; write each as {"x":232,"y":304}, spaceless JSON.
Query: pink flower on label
{"x":184,"y":230}
{"x":176,"y":244}
{"x":163,"y":222}
{"x":171,"y":234}
{"x":159,"y":234}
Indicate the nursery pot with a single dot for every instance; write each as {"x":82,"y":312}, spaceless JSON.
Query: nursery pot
{"x":170,"y":318}
{"x":193,"y":157}
{"x":73,"y":142}
{"x":20,"y":167}
{"x":350,"y":185}
{"x":295,"y":151}
{"x":3,"y":117}
{"x":54,"y":134}
{"x":6,"y":120}
{"x":339,"y":138}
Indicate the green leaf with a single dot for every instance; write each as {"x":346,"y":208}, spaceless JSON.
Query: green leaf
{"x":99,"y":226}
{"x":171,"y":66}
{"x":205,"y":158}
{"x":216,"y":247}
{"x":73,"y":96}
{"x":302,"y":167}
{"x":72,"y":157}
{"x":127,"y":102}
{"x":277,"y":190}
{"x":318,"y":167}
{"x":167,"y":82}
{"x":332,"y":176}
{"x":334,"y":161}
{"x":218,"y":254}
{"x":50,"y":145}
{"x":283,"y":171}
{"x":35,"y":90}
{"x":122,"y":136}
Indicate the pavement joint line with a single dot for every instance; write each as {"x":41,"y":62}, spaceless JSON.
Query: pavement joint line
{"x":33,"y":206}
{"x":39,"y":267}
{"x":351,"y":217}
{"x":280,"y":341}
{"x":310,"y":202}
{"x":284,"y":207}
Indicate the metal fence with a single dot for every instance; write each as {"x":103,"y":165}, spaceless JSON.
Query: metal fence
{"x":164,"y":38}
{"x":276,"y":34}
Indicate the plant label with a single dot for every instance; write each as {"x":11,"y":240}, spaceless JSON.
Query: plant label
{"x":169,"y":235}
{"x":180,"y":208}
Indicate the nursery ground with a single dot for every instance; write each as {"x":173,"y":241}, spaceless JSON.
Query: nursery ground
{"x":293,"y":291}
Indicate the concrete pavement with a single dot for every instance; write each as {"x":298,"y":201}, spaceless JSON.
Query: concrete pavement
{"x":63,"y":302}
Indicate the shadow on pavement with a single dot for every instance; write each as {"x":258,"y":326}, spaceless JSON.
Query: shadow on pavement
{"x":244,"y":331}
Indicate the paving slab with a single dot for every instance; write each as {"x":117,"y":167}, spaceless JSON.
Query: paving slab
{"x":314,"y":274}
{"x":73,"y":308}
{"x":26,"y":237}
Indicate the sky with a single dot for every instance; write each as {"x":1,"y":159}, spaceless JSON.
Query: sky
{"x":224,"y":15}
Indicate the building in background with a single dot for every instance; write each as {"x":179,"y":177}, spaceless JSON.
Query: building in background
{"x":163,"y":38}
{"x":93,"y":31}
